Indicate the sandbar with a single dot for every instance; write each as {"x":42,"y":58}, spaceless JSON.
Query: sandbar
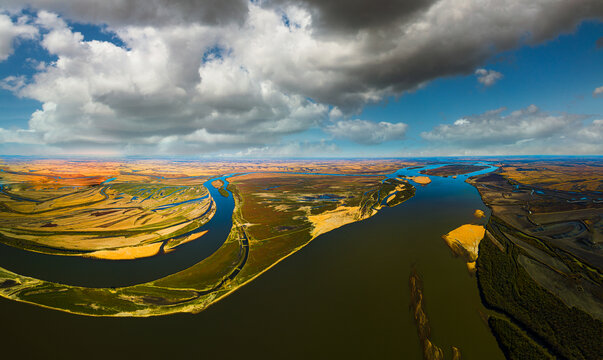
{"x":127,"y":253}
{"x":479,"y":214}
{"x":422,"y":180}
{"x":464,"y":240}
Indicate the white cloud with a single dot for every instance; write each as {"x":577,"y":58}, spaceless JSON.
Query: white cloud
{"x":461,"y":122}
{"x":592,"y":133}
{"x":20,"y":136}
{"x":13,"y":83}
{"x":598,"y":91}
{"x":367,"y":132}
{"x":293,"y":149}
{"x":11,"y":31}
{"x":488,"y":77}
{"x":494,"y":127}
{"x":524,"y":131}
{"x":335,"y":113}
{"x":156,"y":94}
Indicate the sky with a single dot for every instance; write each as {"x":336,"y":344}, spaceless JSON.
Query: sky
{"x":301,"y":78}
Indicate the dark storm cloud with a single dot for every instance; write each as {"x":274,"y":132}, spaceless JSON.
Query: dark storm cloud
{"x":457,"y":38}
{"x":353,"y":15}
{"x":144,"y":12}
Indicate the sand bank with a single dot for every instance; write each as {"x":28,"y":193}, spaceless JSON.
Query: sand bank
{"x":422,"y":180}
{"x":464,"y":240}
{"x":127,"y":253}
{"x":479,"y":214}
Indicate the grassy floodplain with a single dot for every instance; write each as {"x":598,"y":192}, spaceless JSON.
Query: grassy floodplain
{"x":267,"y":226}
{"x":120,"y":214}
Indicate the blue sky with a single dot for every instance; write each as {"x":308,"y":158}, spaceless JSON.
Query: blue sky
{"x":170,"y":92}
{"x":558,"y":75}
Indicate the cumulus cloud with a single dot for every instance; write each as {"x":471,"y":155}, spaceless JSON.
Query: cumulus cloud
{"x":156,"y":92}
{"x":598,"y":91}
{"x":11,"y":31}
{"x":592,"y":133}
{"x":367,"y":132}
{"x":495,"y":127}
{"x":529,"y":130}
{"x":488,"y":77}
{"x":248,"y":73}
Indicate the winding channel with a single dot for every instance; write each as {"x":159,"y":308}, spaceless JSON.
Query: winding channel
{"x":98,"y":273}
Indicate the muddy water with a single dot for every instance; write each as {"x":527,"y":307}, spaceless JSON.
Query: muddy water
{"x":345,"y":295}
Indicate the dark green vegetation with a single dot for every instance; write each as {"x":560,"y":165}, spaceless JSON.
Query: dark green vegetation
{"x":541,"y":262}
{"x":514,"y":343}
{"x":223,"y":192}
{"x":506,"y":287}
{"x":390,"y":192}
{"x":404,"y":191}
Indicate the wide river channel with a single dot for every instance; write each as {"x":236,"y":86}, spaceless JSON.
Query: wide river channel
{"x":345,"y":295}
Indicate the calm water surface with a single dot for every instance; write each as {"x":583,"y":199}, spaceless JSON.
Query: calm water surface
{"x":79,"y":271}
{"x":345,"y":295}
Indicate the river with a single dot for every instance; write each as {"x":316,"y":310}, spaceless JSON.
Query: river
{"x":345,"y":295}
